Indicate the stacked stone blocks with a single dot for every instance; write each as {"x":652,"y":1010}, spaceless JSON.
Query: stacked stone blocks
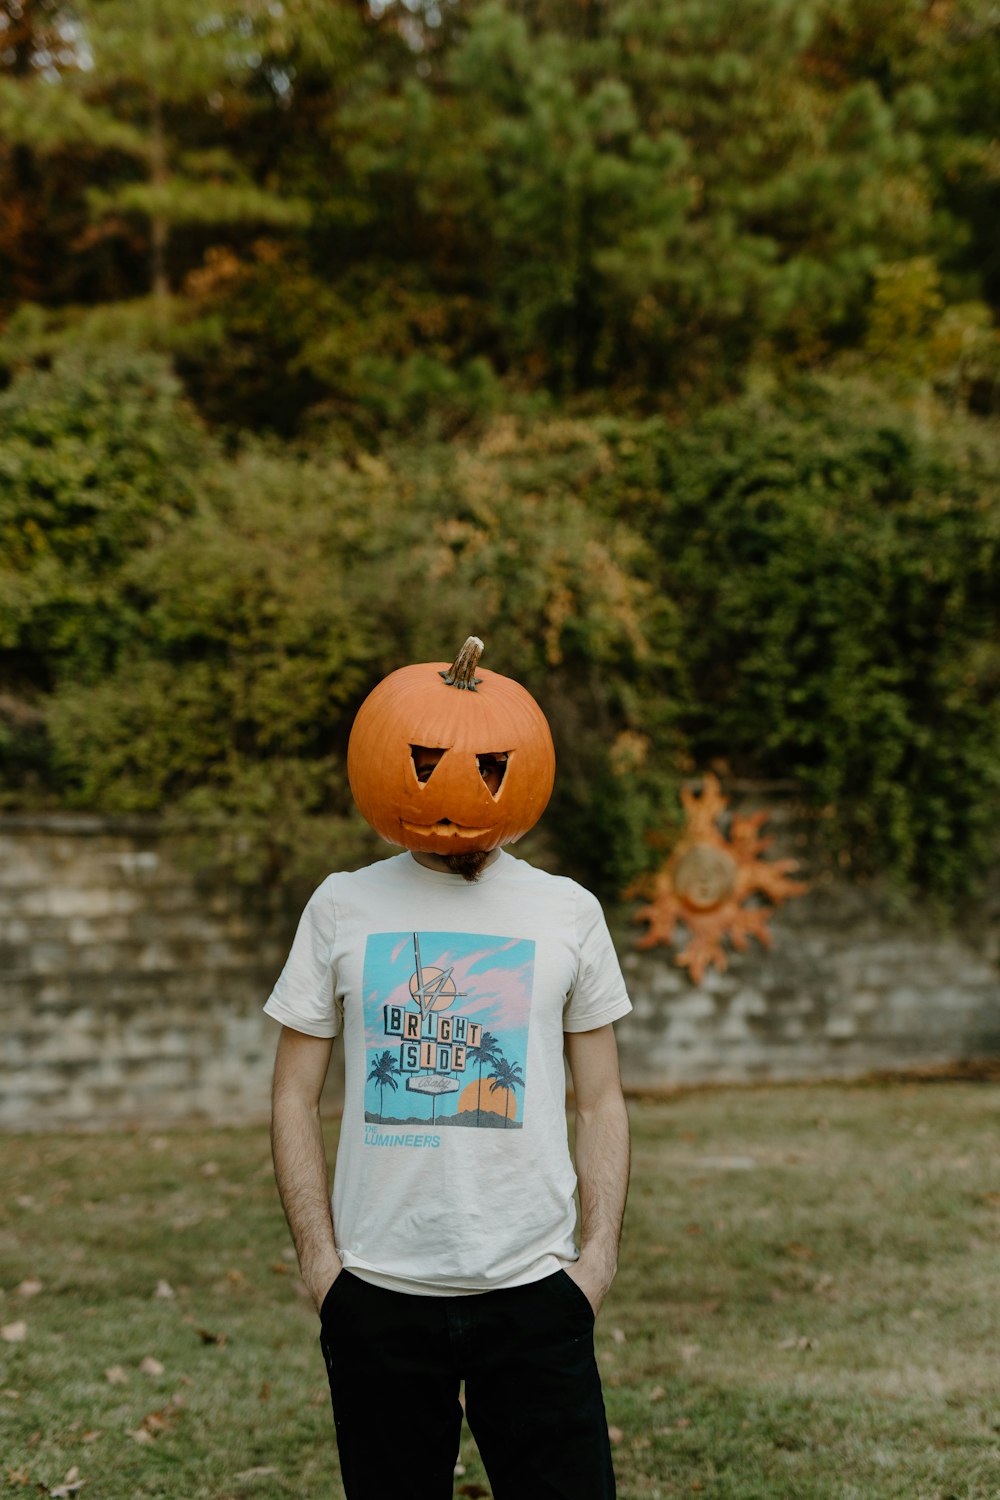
{"x":131,"y":988}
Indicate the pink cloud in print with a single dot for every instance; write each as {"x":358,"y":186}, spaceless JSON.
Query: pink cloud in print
{"x":497,"y":997}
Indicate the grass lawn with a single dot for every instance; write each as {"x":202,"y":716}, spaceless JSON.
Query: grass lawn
{"x":807,"y":1308}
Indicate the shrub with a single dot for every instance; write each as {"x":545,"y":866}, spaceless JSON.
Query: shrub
{"x":804,"y":585}
{"x":837,"y":568}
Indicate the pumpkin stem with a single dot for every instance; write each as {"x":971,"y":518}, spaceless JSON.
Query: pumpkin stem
{"x":462,"y":672}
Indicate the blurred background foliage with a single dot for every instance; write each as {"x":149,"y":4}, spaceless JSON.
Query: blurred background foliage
{"x":654,"y":341}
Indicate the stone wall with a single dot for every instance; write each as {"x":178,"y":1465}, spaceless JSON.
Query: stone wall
{"x":851,"y":984}
{"x":130,"y":990}
{"x":843,"y":992}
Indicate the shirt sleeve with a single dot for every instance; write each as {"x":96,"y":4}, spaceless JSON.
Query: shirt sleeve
{"x":305,"y":996}
{"x":598,"y":995}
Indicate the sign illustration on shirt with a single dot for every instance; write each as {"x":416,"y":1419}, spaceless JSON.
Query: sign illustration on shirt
{"x":446,"y":1029}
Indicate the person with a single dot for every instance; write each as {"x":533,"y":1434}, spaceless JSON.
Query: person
{"x":459,"y":977}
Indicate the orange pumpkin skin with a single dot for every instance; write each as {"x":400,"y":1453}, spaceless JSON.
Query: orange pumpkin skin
{"x":454,"y":811}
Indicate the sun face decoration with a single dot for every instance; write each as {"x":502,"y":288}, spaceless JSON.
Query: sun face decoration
{"x":706,"y":881}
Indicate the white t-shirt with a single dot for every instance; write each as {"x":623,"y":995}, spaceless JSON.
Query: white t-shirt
{"x":453,"y":1171}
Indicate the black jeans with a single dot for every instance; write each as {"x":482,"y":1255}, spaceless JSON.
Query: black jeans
{"x":532,"y":1390}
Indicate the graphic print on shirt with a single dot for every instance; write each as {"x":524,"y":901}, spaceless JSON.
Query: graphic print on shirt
{"x":446,"y":1031}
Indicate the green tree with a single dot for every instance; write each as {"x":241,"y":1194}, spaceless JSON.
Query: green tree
{"x":649,"y":201}
{"x":34,"y":227}
{"x":153,"y":89}
{"x":939,"y":65}
{"x":647,"y":198}
{"x":802,"y":188}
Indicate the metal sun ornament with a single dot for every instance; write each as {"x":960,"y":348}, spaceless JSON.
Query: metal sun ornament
{"x":708,"y":879}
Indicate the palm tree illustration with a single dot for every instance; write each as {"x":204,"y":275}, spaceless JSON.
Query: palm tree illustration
{"x":487,"y":1054}
{"x":382,"y":1070}
{"x":506,"y":1075}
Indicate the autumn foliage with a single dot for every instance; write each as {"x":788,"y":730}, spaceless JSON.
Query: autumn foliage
{"x":654,"y":343}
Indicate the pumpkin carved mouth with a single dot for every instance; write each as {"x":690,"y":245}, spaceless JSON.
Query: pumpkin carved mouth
{"x":445,"y":827}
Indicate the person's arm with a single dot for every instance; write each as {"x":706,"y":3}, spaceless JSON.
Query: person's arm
{"x":300,"y":1156}
{"x":602,"y":1157}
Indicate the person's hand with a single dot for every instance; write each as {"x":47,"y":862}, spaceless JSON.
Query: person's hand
{"x":591,"y":1280}
{"x":320,"y":1279}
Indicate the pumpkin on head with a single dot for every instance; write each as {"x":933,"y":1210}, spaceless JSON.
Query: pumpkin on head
{"x":445,"y":761}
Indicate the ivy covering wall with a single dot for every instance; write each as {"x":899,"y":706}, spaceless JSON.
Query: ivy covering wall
{"x":803,"y":587}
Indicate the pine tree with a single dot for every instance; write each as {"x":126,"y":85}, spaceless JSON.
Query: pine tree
{"x":149,"y":88}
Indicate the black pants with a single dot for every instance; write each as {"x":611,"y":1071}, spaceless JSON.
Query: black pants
{"x":532,"y":1390}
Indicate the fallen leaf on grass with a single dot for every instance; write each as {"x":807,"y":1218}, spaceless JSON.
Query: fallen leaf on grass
{"x":799,"y":1341}
{"x":615,"y":1434}
{"x":280,"y":1268}
{"x":799,"y":1252}
{"x":92,"y":1435}
{"x":115,"y":1375}
{"x":618,"y":1334}
{"x":688,"y":1351}
{"x":18,"y":1476}
{"x":164,"y":1289}
{"x":473,"y":1491}
{"x":69,"y":1486}
{"x":681,"y":1424}
{"x":211,"y":1338}
{"x":158,"y":1421}
{"x":657,"y":1393}
{"x":29,"y":1287}
{"x":152,"y":1425}
{"x":14,"y":1333}
{"x":151,"y":1366}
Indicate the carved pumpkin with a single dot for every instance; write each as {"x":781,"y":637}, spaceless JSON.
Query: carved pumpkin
{"x":446,"y":761}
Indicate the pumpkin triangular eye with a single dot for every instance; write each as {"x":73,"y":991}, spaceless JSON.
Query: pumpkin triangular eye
{"x":425,"y":758}
{"x":493,"y":768}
